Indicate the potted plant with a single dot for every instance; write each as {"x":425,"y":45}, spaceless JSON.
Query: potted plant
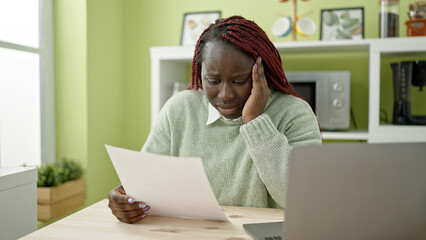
{"x":60,"y":188}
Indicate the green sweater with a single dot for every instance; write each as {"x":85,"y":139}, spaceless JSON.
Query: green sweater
{"x":246,"y":164}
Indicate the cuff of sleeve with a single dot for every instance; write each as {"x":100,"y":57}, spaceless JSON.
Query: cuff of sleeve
{"x":258,"y":130}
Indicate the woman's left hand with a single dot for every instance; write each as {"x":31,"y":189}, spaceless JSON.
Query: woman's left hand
{"x":260,"y":93}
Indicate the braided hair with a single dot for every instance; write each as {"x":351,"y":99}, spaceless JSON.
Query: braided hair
{"x":251,"y":38}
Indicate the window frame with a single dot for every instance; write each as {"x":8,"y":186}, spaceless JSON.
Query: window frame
{"x":45,"y":51}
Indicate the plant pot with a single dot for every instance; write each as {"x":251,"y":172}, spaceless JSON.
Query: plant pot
{"x":53,"y":202}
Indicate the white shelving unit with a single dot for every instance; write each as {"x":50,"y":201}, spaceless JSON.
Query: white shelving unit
{"x":18,"y":201}
{"x":390,"y":133}
{"x":170,"y":64}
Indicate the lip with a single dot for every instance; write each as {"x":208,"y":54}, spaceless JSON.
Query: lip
{"x":225,"y":110}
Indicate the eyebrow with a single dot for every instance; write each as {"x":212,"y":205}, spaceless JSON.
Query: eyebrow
{"x":234,"y":75}
{"x":241,"y":74}
{"x":212,"y":74}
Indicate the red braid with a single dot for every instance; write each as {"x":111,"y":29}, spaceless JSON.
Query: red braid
{"x":251,"y":38}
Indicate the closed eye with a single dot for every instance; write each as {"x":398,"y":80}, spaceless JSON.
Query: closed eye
{"x":213,"y":81}
{"x":240,"y":82}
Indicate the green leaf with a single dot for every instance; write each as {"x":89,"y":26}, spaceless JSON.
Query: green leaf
{"x":342,"y":34}
{"x":351,"y":23}
{"x":345,"y":15}
{"x":59,"y":172}
{"x":331,"y":18}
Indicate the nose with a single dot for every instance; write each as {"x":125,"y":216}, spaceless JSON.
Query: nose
{"x":226,"y":92}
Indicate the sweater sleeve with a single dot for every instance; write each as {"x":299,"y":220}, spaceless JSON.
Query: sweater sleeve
{"x":270,"y":149}
{"x":159,"y":138}
{"x":166,"y":133}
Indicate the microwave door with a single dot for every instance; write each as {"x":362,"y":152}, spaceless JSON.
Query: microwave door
{"x":328,"y":94}
{"x":308,"y":90}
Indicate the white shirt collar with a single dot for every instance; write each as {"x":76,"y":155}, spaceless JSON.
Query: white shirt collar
{"x":214,"y":115}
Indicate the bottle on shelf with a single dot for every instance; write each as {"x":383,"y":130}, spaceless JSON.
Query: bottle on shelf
{"x":389,"y":18}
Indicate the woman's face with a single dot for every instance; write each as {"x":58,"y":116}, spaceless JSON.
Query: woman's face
{"x":226,"y":74}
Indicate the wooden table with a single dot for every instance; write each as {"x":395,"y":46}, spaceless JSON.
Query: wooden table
{"x":97,"y":222}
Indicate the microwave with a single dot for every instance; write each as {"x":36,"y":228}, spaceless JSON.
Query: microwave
{"x":328,"y":94}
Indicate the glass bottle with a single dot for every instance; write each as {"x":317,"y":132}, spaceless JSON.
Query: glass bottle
{"x":389,"y":18}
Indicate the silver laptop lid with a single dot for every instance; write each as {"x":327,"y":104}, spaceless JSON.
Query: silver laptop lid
{"x":357,"y":191}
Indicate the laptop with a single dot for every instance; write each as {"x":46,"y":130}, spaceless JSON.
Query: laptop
{"x":353,"y":191}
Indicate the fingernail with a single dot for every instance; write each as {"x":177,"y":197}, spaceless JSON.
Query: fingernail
{"x":255,"y":66}
{"x":142,"y":205}
{"x":260,"y":59}
{"x":144,"y":215}
{"x":146,"y":208}
{"x":131,"y":200}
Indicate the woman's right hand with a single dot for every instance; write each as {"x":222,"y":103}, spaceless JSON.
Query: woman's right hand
{"x":124,"y":207}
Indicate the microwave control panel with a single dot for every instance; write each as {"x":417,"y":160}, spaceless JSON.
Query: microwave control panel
{"x":328,"y":93}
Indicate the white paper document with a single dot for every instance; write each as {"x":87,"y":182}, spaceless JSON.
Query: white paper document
{"x":172,"y":186}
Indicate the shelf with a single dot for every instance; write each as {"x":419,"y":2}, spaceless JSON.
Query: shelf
{"x":187,"y":52}
{"x":349,"y":135}
{"x":172,"y":53}
{"x":388,"y":45}
{"x":378,"y":49}
{"x":399,"y":133}
{"x":399,"y":45}
{"x":169,"y":64}
{"x":323,"y":46}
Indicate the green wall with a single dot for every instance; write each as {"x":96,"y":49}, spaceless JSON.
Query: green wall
{"x":89,"y":79}
{"x":102,"y":71}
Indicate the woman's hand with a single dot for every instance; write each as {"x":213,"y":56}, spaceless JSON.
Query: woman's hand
{"x":124,"y":207}
{"x":260,"y":93}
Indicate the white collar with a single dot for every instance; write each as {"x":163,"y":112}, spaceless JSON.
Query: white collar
{"x":214,"y":115}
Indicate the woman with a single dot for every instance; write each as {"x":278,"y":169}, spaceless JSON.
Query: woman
{"x":240,"y":115}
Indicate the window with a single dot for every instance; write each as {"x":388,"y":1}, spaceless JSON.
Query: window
{"x":26,"y":82}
